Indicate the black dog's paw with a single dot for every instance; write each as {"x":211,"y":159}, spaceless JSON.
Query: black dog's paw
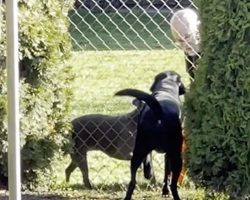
{"x":165,"y":191}
{"x":165,"y":196}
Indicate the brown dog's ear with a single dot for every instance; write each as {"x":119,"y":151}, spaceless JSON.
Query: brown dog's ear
{"x":158,"y":78}
{"x":136,"y":102}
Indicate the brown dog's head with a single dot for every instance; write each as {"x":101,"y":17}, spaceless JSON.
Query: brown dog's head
{"x":168,"y":79}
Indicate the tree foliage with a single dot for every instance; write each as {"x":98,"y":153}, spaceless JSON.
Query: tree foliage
{"x":218,"y":104}
{"x":45,"y":77}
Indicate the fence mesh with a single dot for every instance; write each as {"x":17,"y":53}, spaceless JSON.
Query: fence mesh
{"x":118,"y":24}
{"x":125,"y":38}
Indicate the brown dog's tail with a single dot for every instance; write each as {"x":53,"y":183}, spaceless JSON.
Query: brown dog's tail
{"x":150,"y":100}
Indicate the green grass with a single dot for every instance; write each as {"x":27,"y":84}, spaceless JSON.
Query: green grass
{"x":121,"y":30}
{"x":99,"y":74}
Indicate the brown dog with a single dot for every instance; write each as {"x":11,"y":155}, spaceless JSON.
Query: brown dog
{"x":113,"y":135}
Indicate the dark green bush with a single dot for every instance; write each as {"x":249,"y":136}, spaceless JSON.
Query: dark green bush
{"x":45,"y":91}
{"x":3,"y":102}
{"x":218,"y":104}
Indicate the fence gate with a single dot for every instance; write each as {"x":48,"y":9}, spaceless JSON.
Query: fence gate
{"x":118,"y":44}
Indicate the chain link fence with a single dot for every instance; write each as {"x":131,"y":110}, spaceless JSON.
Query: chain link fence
{"x":109,"y":24}
{"x":118,"y":44}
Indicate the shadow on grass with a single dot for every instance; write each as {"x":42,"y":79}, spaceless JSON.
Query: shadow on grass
{"x":136,"y":30}
{"x":116,"y":187}
{"x":116,"y":191}
{"x":36,"y":196}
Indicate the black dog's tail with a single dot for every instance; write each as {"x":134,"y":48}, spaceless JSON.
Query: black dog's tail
{"x":143,"y":96}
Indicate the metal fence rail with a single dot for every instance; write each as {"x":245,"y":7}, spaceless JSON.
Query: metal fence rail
{"x":121,"y":4}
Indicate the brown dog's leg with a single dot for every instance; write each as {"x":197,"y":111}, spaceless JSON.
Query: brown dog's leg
{"x":72,"y":166}
{"x":83,"y":165}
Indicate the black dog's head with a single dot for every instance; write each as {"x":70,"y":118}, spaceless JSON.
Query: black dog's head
{"x":166,"y":78}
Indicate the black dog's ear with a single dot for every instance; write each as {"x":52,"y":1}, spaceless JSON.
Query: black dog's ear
{"x":182,"y":89}
{"x":158,"y":78}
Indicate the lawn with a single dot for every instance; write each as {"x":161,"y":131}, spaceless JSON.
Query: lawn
{"x":112,"y":51}
{"x":99,"y":74}
{"x":135,"y":30}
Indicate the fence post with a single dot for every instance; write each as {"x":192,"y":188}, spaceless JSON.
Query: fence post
{"x":14,"y":169}
{"x":1,"y":18}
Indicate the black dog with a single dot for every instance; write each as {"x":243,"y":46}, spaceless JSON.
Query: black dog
{"x":159,"y":128}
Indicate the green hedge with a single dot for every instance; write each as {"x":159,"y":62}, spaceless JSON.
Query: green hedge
{"x":45,"y":92}
{"x":218,"y":104}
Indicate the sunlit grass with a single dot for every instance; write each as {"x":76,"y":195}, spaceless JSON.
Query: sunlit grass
{"x":100,"y":74}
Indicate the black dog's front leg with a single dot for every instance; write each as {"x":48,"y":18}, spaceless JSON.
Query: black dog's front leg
{"x":138,"y":156}
{"x":133,"y":169}
{"x":130,"y":191}
{"x":176,"y":165}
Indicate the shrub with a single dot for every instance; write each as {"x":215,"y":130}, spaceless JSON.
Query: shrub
{"x":218,"y":111}
{"x":45,"y":92}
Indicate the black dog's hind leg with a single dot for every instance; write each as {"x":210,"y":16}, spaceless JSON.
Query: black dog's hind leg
{"x":167,"y":176}
{"x":148,"y":168}
{"x":138,"y":155}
